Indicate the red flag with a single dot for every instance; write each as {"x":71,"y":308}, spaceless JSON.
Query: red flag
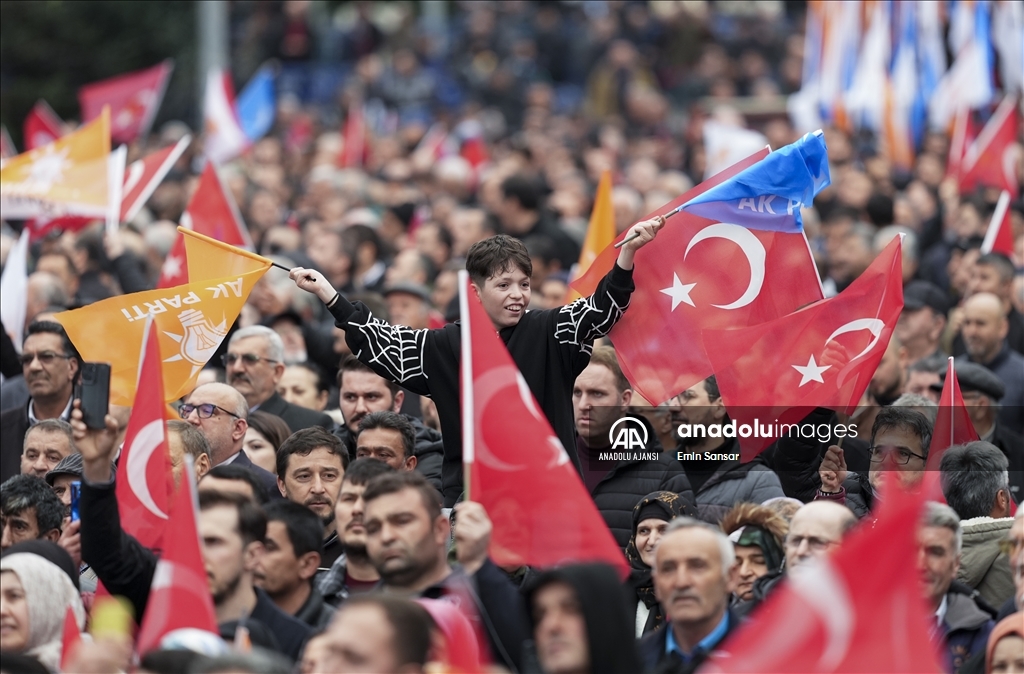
{"x":999,"y":237}
{"x":212,"y":212}
{"x":144,"y":469}
{"x":465,"y":647}
{"x":961,"y":138}
{"x":776,"y":371}
{"x":42,"y":126}
{"x":71,"y":638}
{"x":586,"y":284}
{"x":516,"y":466}
{"x":354,"y":148}
{"x":860,"y":609}
{"x":180,"y":594}
{"x":142,"y":177}
{"x":953,"y":425}
{"x":991,"y":160}
{"x":133,"y":98}
{"x":473,"y":149}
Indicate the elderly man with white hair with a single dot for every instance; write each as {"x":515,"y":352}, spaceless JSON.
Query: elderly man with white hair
{"x":253,"y":365}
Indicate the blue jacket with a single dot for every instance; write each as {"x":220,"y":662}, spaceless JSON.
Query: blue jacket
{"x":965,"y":630}
{"x":656,"y":661}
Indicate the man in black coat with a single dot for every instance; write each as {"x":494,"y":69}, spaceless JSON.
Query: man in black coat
{"x":253,"y":365}
{"x":694,"y":577}
{"x":619,"y":470}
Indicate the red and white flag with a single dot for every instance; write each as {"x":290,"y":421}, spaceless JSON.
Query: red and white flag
{"x":142,"y":177}
{"x":42,"y":126}
{"x":223,"y":137}
{"x":134,"y":99}
{"x":953,"y":425}
{"x":991,"y":160}
{"x":999,"y":237}
{"x":212,"y":211}
{"x":144,"y":481}
{"x":179,"y":597}
{"x":515,"y":465}
{"x":858,"y":609}
{"x":353,"y":135}
{"x":823,"y":355}
{"x":70,"y":638}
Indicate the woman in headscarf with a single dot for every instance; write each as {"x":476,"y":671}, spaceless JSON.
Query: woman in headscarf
{"x":1005,"y":651}
{"x":650,"y":519}
{"x":757,"y":534}
{"x":34,"y":596}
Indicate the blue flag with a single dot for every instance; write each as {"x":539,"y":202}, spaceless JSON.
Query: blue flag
{"x":256,"y":104}
{"x":769,"y":194}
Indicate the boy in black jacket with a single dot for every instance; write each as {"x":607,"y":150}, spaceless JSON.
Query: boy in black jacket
{"x":550,"y":347}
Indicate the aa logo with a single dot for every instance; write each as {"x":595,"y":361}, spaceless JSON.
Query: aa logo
{"x":628,"y":433}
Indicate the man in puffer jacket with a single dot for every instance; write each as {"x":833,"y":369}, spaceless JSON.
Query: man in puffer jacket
{"x":713,"y":465}
{"x":619,"y":473}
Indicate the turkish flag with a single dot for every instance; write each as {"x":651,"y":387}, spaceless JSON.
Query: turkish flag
{"x":42,"y":126}
{"x":179,"y":597}
{"x":999,"y":237}
{"x":142,"y":176}
{"x":70,"y":639}
{"x":586,"y":284}
{"x":516,"y":466}
{"x":953,"y":426}
{"x":823,"y":355}
{"x":133,"y":98}
{"x":144,"y":470}
{"x":212,"y":211}
{"x":224,"y":139}
{"x":962,"y":137}
{"x":858,"y":609}
{"x":353,"y":133}
{"x":991,"y":159}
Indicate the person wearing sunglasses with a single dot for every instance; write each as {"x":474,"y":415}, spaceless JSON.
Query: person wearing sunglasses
{"x":50,"y":364}
{"x":254,"y":365}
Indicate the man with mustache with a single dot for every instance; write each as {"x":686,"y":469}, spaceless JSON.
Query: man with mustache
{"x":694,"y":577}
{"x":352,"y":573}
{"x":310,"y":466}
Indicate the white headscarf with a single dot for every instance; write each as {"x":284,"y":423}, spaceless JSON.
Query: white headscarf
{"x":48,"y":593}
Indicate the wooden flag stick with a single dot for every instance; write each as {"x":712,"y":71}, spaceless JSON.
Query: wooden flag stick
{"x":666,"y":216}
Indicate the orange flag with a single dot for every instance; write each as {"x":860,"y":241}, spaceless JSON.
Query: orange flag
{"x":192,"y":319}
{"x":66,"y":177}
{"x":600,"y":232}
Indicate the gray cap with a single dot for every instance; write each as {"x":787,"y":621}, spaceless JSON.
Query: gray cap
{"x":69,"y":465}
{"x":920,"y":294}
{"x":974,"y":377}
{"x":409,"y":288}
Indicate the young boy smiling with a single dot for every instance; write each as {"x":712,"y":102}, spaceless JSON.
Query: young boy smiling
{"x":550,"y":347}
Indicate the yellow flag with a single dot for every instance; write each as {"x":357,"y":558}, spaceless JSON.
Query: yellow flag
{"x":66,"y":177}
{"x":192,"y":319}
{"x":600,"y":231}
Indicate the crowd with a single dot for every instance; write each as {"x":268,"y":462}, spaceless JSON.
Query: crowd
{"x":325,"y":435}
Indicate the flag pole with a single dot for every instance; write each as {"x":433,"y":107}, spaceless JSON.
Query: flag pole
{"x":664,"y":217}
{"x":466,"y":353}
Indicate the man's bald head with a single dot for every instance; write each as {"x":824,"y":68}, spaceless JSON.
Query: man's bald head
{"x":228,"y":397}
{"x":226,"y":424}
{"x":984,"y":327}
{"x":815,"y":529}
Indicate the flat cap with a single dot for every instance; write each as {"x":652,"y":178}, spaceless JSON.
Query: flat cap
{"x":974,"y":377}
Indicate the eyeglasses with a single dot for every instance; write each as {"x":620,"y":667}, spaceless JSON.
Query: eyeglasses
{"x":205,"y":411}
{"x":900,"y":455}
{"x":45,"y":358}
{"x":247,"y":358}
{"x":1010,"y":546}
{"x":813,"y":542}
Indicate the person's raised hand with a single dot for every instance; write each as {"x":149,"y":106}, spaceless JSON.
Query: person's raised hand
{"x":314,"y":282}
{"x":71,"y":540}
{"x":833,"y":470}
{"x":472,"y":535}
{"x":97,"y":446}
{"x":644,"y":232}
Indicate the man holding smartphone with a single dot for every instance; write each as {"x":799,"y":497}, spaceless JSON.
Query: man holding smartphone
{"x":50,"y":364}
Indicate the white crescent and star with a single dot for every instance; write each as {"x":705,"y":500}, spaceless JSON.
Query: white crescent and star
{"x":752,"y":248}
{"x":812,"y":371}
{"x":148,"y":440}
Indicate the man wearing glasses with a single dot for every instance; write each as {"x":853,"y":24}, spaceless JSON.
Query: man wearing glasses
{"x":253,"y":365}
{"x":220,"y":413}
{"x":49,"y":363}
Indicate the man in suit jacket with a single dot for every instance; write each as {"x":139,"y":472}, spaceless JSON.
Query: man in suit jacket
{"x":50,"y":365}
{"x":220,"y":412}
{"x":254,"y":364}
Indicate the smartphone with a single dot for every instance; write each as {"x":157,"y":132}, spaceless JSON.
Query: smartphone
{"x":76,"y":494}
{"x":93,"y":390}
